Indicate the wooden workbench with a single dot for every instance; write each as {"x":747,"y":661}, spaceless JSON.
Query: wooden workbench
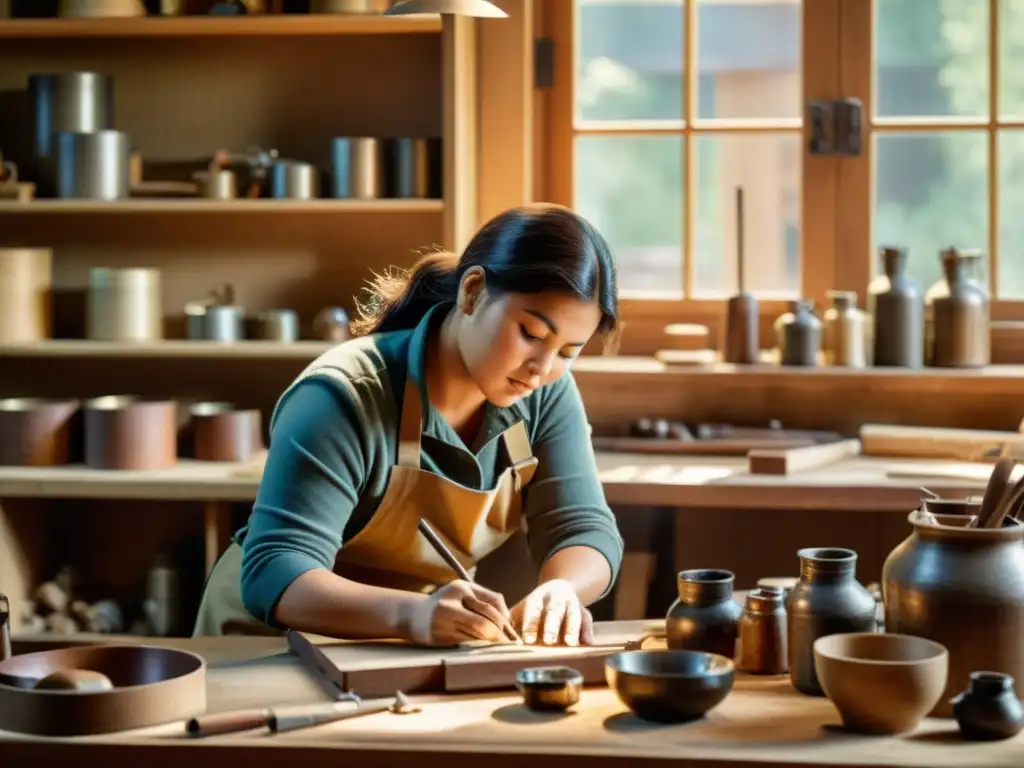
{"x":763,"y":722}
{"x":702,"y":482}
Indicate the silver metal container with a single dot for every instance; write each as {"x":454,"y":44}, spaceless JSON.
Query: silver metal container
{"x":78,"y":102}
{"x":409,"y":169}
{"x":100,"y":9}
{"x":278,"y":325}
{"x":216,"y":322}
{"x":290,"y":180}
{"x":124,"y":304}
{"x":220,"y":184}
{"x":94,"y":165}
{"x":356,"y":168}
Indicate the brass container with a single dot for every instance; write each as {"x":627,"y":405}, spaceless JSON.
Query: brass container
{"x":845,"y":337}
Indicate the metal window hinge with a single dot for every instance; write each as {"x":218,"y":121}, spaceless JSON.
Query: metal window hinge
{"x":543,"y":62}
{"x":835,"y":127}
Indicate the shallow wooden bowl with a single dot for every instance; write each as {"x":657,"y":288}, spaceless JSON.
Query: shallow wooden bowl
{"x":151,"y":686}
{"x":881,"y":684}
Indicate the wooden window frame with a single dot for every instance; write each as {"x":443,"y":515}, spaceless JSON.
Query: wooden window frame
{"x":554,"y":159}
{"x":856,"y":186}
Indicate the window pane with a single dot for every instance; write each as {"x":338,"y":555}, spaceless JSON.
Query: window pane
{"x":767,"y":166}
{"x":629,"y":60}
{"x":631,"y":188}
{"x":748,"y":59}
{"x":1011,"y":220}
{"x":931,"y":58}
{"x":932,"y":193}
{"x":1011,"y":51}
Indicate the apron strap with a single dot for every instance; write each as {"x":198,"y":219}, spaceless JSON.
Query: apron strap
{"x":410,"y":427}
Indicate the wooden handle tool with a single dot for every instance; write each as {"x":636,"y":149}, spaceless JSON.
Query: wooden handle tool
{"x":446,"y":554}
{"x":995,"y":494}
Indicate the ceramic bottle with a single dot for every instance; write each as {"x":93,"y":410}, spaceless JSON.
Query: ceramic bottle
{"x":896,"y":305}
{"x":827,"y":600}
{"x":960,"y":319}
{"x":705,"y":617}
{"x":798,"y":334}
{"x":845,"y":331}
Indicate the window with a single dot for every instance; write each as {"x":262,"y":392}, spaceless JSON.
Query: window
{"x":662,"y":108}
{"x":667,"y":108}
{"x":945,"y":134}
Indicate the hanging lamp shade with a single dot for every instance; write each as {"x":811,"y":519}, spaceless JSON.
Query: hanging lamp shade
{"x":478,"y":8}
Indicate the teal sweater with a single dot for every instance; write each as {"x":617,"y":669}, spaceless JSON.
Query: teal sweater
{"x":334,"y":440}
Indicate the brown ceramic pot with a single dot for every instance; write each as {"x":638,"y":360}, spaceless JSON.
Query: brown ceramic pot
{"x":964,"y":588}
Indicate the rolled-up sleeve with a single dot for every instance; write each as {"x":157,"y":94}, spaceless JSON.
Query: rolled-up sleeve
{"x":311,"y":483}
{"x":564,"y":505}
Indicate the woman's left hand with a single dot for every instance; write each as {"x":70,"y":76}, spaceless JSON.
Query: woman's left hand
{"x":552,"y":614}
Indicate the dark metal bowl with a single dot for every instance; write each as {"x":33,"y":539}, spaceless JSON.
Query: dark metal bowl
{"x":549,"y":688}
{"x":669,"y":686}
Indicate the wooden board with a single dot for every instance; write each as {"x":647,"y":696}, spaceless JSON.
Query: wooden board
{"x":939,"y":442}
{"x":787,"y":461}
{"x":379,"y":668}
{"x":712,"y":447}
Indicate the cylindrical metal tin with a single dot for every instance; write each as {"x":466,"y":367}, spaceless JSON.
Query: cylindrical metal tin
{"x":127,"y":432}
{"x":278,"y":325}
{"x":94,"y":165}
{"x":221,"y":433}
{"x":36,"y":432}
{"x":356,"y":168}
{"x":409,"y":168}
{"x":100,"y":9}
{"x":75,"y":102}
{"x":294,"y":181}
{"x":124,"y":305}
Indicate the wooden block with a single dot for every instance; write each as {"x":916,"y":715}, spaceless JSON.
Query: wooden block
{"x":787,"y":461}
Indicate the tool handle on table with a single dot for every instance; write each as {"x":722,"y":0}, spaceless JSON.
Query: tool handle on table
{"x":228,"y":722}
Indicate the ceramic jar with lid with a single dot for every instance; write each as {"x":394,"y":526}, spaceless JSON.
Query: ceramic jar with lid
{"x":896,"y":304}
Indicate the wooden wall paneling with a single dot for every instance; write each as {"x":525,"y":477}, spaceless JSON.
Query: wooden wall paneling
{"x":559,"y":101}
{"x":506,"y":97}
{"x":24,"y":551}
{"x":460,"y":99}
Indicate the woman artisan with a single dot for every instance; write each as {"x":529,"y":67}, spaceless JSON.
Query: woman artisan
{"x":458,"y":407}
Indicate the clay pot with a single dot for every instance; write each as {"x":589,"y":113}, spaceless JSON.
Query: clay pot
{"x":705,"y":617}
{"x":881,"y":684}
{"x":828,"y":600}
{"x":989,"y":709}
{"x":964,"y":588}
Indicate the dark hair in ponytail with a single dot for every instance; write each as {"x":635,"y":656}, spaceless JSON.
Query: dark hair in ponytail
{"x":532,"y":249}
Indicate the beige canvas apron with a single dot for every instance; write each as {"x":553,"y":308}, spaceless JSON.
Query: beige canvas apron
{"x":391,"y":552}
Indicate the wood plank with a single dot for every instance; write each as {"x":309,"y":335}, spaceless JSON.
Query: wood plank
{"x":939,"y":442}
{"x":167,"y":348}
{"x":205,"y":26}
{"x":788,"y":461}
{"x":709,"y":447}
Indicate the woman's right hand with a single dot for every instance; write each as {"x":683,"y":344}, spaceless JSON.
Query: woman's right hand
{"x":457,"y":612}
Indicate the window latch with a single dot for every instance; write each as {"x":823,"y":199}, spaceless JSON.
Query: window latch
{"x":835,"y":127}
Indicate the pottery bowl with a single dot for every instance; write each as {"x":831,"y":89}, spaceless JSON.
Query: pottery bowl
{"x":669,"y":686}
{"x":881,"y":684}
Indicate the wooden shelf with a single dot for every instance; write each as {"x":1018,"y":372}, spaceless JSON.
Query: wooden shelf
{"x":170,"y":348}
{"x":167,"y":206}
{"x":205,"y":26}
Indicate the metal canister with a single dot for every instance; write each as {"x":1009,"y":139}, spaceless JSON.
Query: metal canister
{"x":95,"y":165}
{"x":292,"y":180}
{"x":76,"y":102}
{"x":356,"y":168}
{"x":278,"y":325}
{"x":124,"y":305}
{"x":409,"y":168}
{"x":223,"y":322}
{"x":762,"y":633}
{"x":845,"y":340}
{"x":798,"y":334}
